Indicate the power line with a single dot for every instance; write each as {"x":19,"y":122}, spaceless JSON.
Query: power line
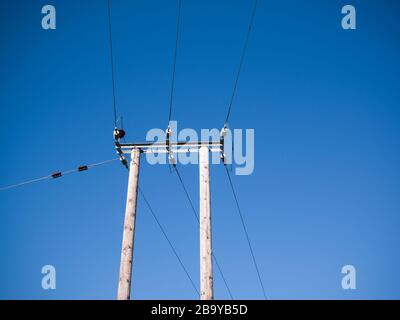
{"x":198,"y":221}
{"x":236,"y":80}
{"x":169,"y":241}
{"x":24,"y":183}
{"x":170,"y":111}
{"x":187,"y":195}
{"x":244,"y":49}
{"x":58,"y":174}
{"x":169,"y":118}
{"x":112,"y":62}
{"x":245,"y":231}
{"x":171,"y":96}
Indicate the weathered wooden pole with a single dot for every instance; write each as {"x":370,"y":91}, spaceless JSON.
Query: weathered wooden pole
{"x":206,"y":274}
{"x":125,"y":271}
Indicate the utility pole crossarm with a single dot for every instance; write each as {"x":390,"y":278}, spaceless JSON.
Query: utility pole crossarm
{"x":174,"y":147}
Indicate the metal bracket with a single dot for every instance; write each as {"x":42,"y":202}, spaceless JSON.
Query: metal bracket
{"x":223,"y":133}
{"x":174,"y":147}
{"x":168,"y":146}
{"x":119,"y":134}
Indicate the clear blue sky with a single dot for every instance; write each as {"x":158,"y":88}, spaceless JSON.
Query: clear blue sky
{"x":324,"y":104}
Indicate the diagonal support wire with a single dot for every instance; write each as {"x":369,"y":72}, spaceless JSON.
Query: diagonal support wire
{"x":198,"y":221}
{"x":168,"y":240}
{"x":245,"y":231}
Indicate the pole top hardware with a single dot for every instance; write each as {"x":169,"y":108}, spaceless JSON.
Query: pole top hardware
{"x":119,"y":134}
{"x":223,"y":134}
{"x":168,"y":146}
{"x":173,"y":147}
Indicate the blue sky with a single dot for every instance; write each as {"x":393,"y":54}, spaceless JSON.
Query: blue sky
{"x":324,"y":105}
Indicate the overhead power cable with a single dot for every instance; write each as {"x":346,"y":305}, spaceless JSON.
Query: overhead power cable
{"x":115,"y":125}
{"x":198,"y":221}
{"x":245,"y":231}
{"x":110,"y":41}
{"x":171,"y":95}
{"x":58,"y":174}
{"x":242,"y":56}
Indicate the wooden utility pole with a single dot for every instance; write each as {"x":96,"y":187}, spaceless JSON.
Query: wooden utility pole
{"x":204,"y":148}
{"x":125,"y":271}
{"x":206,"y":274}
